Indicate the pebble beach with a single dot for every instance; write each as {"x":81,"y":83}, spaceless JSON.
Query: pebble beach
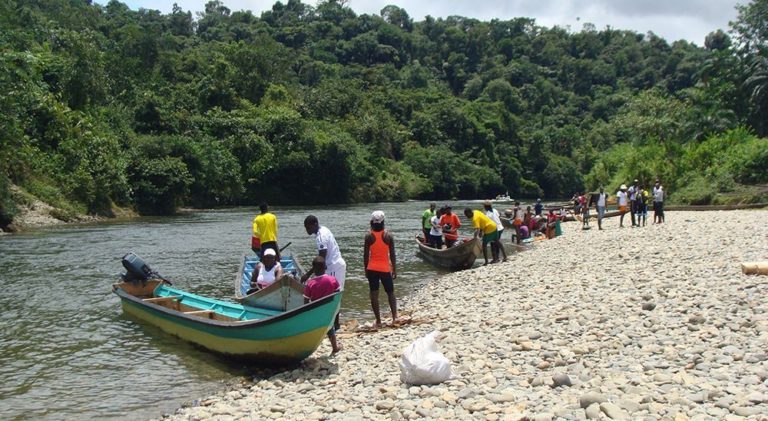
{"x":648,"y":323}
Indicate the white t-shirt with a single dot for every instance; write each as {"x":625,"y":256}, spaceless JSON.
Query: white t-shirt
{"x":601,"y":199}
{"x":632,"y":192}
{"x":267,"y":277}
{"x":326,"y":241}
{"x":621,"y":197}
{"x":658,"y":194}
{"x":494,"y":215}
{"x":436,"y":229}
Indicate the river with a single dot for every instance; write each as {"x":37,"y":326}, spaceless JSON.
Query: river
{"x":66,"y":349}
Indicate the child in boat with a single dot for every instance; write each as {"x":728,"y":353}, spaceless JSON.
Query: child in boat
{"x":321,"y":286}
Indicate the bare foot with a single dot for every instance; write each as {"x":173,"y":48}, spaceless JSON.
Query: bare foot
{"x":336,"y":350}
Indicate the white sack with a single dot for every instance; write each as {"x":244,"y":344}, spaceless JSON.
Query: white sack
{"x":422,"y":363}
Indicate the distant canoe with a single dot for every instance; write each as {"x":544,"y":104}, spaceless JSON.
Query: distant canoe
{"x":266,"y":336}
{"x":459,"y":257}
{"x":287,"y":293}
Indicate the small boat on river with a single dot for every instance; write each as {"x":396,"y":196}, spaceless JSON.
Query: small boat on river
{"x":286,"y":293}
{"x":458,"y":257}
{"x":263,"y":335}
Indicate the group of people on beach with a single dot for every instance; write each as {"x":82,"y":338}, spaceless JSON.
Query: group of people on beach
{"x":633,"y":200}
{"x":328,"y":272}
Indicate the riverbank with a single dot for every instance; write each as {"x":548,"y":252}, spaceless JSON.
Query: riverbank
{"x":655,"y":322}
{"x":32,"y":213}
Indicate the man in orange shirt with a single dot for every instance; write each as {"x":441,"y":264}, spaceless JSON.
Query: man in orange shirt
{"x":380,"y":264}
{"x":450,"y":222}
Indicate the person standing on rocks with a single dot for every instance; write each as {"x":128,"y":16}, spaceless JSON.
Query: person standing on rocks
{"x":328,"y":249}
{"x":485,"y":229}
{"x":621,"y":199}
{"x":658,"y":203}
{"x":633,"y":201}
{"x":539,"y":208}
{"x":602,"y":198}
{"x":319,"y":286}
{"x":380,"y":265}
{"x":493,"y":214}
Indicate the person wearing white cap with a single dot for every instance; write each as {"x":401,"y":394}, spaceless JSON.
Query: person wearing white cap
{"x":380,"y":265}
{"x":267,"y":271}
{"x":621,"y":199}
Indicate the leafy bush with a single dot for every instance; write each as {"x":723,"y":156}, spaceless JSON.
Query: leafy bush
{"x":159,"y":184}
{"x":8,"y":208}
{"x":696,"y":191}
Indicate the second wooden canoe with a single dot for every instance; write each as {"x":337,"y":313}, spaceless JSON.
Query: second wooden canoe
{"x":459,"y":257}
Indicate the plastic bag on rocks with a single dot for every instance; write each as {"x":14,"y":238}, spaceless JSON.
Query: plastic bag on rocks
{"x":423,"y":363}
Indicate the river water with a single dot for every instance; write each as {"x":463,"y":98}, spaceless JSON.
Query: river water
{"x":66,"y":349}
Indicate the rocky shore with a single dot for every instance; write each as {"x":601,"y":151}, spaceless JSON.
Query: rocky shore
{"x":645,"y":323}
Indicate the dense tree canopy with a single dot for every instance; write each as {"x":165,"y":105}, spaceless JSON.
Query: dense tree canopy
{"x":105,"y":105}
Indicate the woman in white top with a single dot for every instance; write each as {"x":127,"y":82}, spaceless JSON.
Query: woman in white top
{"x":267,"y":271}
{"x":436,"y":232}
{"x":621,"y":198}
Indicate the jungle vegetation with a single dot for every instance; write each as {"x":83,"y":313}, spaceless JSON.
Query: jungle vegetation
{"x":105,"y":106}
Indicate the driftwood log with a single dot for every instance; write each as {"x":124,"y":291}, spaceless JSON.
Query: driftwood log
{"x":754,"y":268}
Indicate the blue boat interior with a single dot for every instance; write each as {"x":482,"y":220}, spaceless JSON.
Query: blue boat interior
{"x":193,"y":303}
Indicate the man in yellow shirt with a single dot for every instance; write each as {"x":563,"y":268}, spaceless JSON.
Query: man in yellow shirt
{"x":486,"y":228}
{"x":265,"y":229}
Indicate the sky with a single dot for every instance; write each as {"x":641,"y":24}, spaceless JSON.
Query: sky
{"x":690,"y":20}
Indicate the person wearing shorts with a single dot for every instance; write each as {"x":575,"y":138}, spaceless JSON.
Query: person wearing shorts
{"x":380,"y":265}
{"x":486,"y":228}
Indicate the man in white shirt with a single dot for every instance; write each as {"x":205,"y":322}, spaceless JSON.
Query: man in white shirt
{"x":622,"y":198}
{"x":602,"y":197}
{"x":658,"y":203}
{"x":492,"y":213}
{"x":328,"y":249}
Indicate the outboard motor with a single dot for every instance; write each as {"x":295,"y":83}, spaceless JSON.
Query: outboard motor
{"x":136,"y":269}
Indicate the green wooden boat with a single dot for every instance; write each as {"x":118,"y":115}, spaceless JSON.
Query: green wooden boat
{"x":264,"y":335}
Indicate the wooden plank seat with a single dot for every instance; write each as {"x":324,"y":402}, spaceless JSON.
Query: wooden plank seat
{"x":200,"y":313}
{"x":160,"y":300}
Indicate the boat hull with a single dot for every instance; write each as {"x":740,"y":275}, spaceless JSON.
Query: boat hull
{"x":270,"y":337}
{"x":455,"y":258}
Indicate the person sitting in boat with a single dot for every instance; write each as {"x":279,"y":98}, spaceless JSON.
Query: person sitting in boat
{"x":485,"y":228}
{"x":451,"y":224}
{"x":266,"y":272}
{"x":436,"y":230}
{"x":321,"y":286}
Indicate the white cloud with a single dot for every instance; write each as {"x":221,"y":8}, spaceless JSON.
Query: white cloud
{"x":691,"y":20}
